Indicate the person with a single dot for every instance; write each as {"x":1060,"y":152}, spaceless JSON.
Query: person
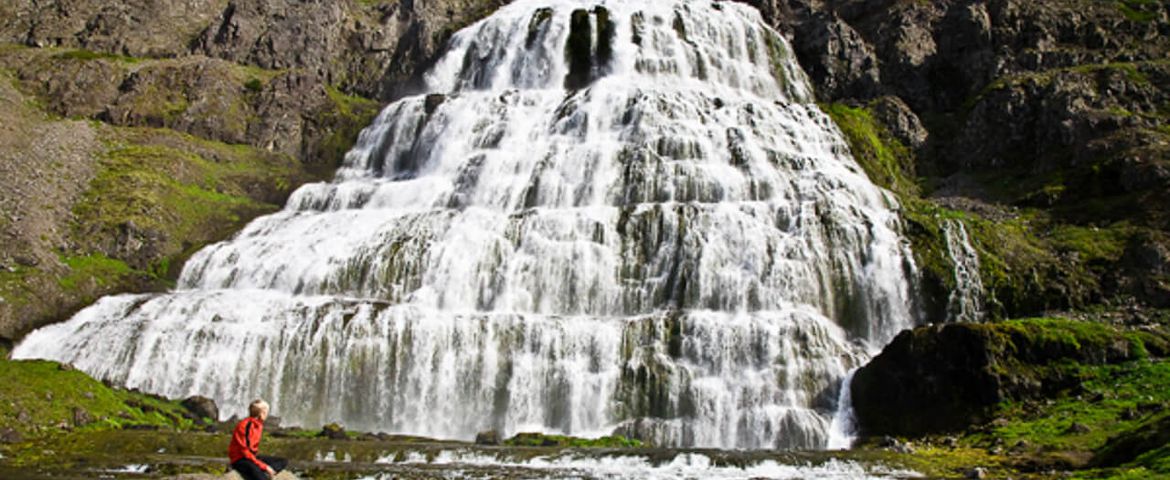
{"x":242,"y":451}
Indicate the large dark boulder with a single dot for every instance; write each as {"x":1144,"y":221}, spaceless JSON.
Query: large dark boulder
{"x":948,"y":377}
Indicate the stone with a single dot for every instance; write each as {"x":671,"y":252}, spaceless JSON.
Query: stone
{"x":201,"y":407}
{"x":10,"y":435}
{"x":333,"y":431}
{"x":945,"y":378}
{"x":976,"y":473}
{"x":81,"y":417}
{"x":489,"y":437}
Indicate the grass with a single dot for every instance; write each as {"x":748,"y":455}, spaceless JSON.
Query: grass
{"x":1113,"y":399}
{"x":39,"y":399}
{"x":348,"y":117}
{"x":174,"y":191}
{"x":86,"y":55}
{"x":1133,"y":10}
{"x":97,"y":267}
{"x":888,"y":163}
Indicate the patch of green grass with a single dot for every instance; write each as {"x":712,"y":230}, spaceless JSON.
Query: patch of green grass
{"x":178,"y":192}
{"x":1133,"y":10}
{"x":254,"y":85}
{"x":888,"y":163}
{"x":347,"y":119}
{"x":1093,"y":244}
{"x":86,"y":55}
{"x":40,"y":399}
{"x":1112,"y":399}
{"x":97,"y":268}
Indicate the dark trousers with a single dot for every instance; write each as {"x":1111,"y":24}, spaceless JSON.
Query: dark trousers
{"x":251,"y":471}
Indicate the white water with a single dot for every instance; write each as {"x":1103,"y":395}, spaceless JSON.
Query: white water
{"x":965,"y":303}
{"x":682,"y":251}
{"x":681,"y":466}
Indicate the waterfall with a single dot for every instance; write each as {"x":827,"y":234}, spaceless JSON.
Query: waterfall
{"x":602,"y":216}
{"x":965,"y":303}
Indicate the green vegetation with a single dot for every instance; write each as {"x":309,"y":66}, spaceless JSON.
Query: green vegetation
{"x":86,"y":55}
{"x":99,"y":268}
{"x":542,"y":440}
{"x":42,"y":399}
{"x":887,"y":161}
{"x":1134,"y":11}
{"x":348,"y":117}
{"x":174,"y":192}
{"x":254,"y":84}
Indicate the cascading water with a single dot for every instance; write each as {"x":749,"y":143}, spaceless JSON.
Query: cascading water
{"x":606,"y":215}
{"x":965,"y":303}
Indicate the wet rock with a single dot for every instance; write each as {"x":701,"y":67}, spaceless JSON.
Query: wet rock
{"x":333,"y":431}
{"x":490,"y":437}
{"x":201,"y":407}
{"x":976,"y":473}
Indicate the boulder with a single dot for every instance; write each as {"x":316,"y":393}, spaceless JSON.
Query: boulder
{"x":944,"y":378}
{"x":333,"y":431}
{"x":201,"y":407}
{"x":490,"y":437}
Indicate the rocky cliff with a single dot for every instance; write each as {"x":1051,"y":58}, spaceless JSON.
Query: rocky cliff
{"x":135,"y":132}
{"x":1041,"y":125}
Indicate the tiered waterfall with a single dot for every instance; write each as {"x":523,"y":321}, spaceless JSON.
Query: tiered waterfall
{"x":604,"y":216}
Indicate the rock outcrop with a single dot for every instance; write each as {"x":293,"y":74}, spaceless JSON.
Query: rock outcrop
{"x":950,"y":377}
{"x":280,"y":86}
{"x":1056,"y":108}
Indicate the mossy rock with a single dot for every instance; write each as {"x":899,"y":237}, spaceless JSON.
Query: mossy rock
{"x":950,"y":377}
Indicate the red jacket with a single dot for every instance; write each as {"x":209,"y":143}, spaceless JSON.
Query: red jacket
{"x":246,"y":441}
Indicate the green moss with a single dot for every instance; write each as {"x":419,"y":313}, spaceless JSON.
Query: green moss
{"x":542,"y":440}
{"x":15,"y":287}
{"x":888,"y":163}
{"x":174,"y":193}
{"x":86,"y":55}
{"x":39,"y":399}
{"x":1093,"y":244}
{"x":97,"y":268}
{"x":1134,"y":10}
{"x":349,"y":115}
{"x":254,"y":84}
{"x":1112,"y":399}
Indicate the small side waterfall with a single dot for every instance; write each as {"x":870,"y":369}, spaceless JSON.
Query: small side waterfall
{"x":605,"y":215}
{"x":965,"y":304}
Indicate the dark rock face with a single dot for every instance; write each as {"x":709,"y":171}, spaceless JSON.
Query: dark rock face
{"x":1057,"y":107}
{"x":946,"y":378}
{"x":203,"y":407}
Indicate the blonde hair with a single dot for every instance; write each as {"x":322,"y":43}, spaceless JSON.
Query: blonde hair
{"x":256,"y":407}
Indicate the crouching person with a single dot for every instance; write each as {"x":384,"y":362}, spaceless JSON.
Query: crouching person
{"x":242,"y":452}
